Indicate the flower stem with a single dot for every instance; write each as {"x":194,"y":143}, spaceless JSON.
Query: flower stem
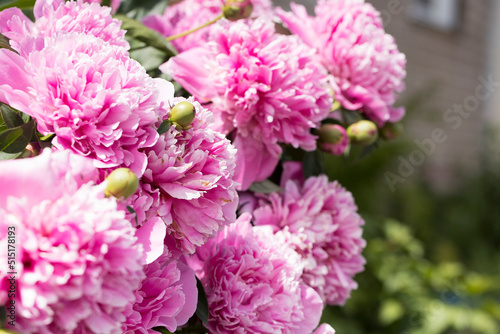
{"x":182,"y":34}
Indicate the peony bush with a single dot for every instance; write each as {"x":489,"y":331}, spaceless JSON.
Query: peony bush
{"x":192,"y":196}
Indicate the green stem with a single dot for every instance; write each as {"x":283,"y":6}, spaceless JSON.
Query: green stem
{"x":182,"y":34}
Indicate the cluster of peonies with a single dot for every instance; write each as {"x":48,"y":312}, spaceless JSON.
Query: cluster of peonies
{"x":366,"y":68}
{"x":265,"y":89}
{"x":86,"y":262}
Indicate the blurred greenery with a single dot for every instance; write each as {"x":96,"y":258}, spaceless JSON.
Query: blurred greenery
{"x":434,"y":269}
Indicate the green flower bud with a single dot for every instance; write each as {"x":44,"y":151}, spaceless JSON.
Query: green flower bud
{"x":331,"y":133}
{"x":391,"y":130}
{"x":363,"y":132}
{"x":122,"y":182}
{"x":182,"y":115}
{"x":234,"y":10}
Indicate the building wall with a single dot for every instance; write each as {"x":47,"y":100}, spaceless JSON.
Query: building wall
{"x":442,"y":71}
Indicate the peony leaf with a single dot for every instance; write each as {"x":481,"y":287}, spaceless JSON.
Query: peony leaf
{"x":10,"y":117}
{"x":313,"y":164}
{"x":9,"y":156}
{"x":4,"y":43}
{"x":202,"y":307}
{"x":265,"y":187}
{"x":164,"y":126}
{"x":21,"y":4}
{"x":132,"y":211}
{"x":140,"y":32}
{"x":14,"y":140}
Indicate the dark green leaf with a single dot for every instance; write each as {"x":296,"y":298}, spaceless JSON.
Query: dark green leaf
{"x":138,"y":9}
{"x":3,"y":316}
{"x":10,"y":117}
{"x":164,"y":126}
{"x":26,"y":118}
{"x":202,"y":307}
{"x":313,"y":164}
{"x":106,"y":3}
{"x":140,"y":32}
{"x":15,"y":140}
{"x":9,"y":156}
{"x":162,"y":330}
{"x":265,"y":187}
{"x":4,"y":43}
{"x":131,"y":210}
{"x":4,"y":4}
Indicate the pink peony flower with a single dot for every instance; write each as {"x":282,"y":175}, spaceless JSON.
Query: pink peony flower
{"x":114,"y":3}
{"x":189,"y":14}
{"x":252,"y":282}
{"x":324,"y":329}
{"x":77,"y":259}
{"x":367,"y":68}
{"x":319,"y":219}
{"x":188,"y":182}
{"x":265,"y":86}
{"x":167,"y":297}
{"x":54,"y":17}
{"x":96,"y":100}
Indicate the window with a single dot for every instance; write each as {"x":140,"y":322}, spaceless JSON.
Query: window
{"x":440,"y":14}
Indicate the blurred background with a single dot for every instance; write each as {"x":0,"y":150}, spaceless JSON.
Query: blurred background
{"x":431,"y":198}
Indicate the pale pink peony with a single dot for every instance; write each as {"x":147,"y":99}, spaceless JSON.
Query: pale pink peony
{"x":367,"y":68}
{"x":265,"y":86}
{"x":252,"y":281}
{"x":96,"y":100}
{"x":114,"y":4}
{"x":189,"y":14}
{"x":188,"y":182}
{"x":324,"y":329}
{"x":320,"y":220}
{"x":167,"y":297}
{"x":77,"y":259}
{"x":54,"y":17}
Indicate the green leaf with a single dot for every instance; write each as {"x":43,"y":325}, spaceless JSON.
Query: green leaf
{"x":202,"y":307}
{"x":164,"y":126}
{"x":162,"y":330}
{"x":313,"y":164}
{"x":131,"y":210}
{"x":4,"y":43}
{"x":265,"y":187}
{"x":10,"y":117}
{"x":48,"y":137}
{"x":15,"y":140}
{"x":9,"y":156}
{"x":4,"y":4}
{"x":140,"y":32}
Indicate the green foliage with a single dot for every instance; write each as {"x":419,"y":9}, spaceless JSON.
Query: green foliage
{"x":435,"y":273}
{"x":403,"y":292}
{"x":21,"y":4}
{"x":17,"y":130}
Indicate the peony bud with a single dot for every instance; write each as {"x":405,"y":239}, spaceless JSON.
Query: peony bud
{"x":122,"y":182}
{"x":182,"y":115}
{"x":391,"y":130}
{"x":363,"y":132}
{"x":333,"y":139}
{"x":234,"y":10}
